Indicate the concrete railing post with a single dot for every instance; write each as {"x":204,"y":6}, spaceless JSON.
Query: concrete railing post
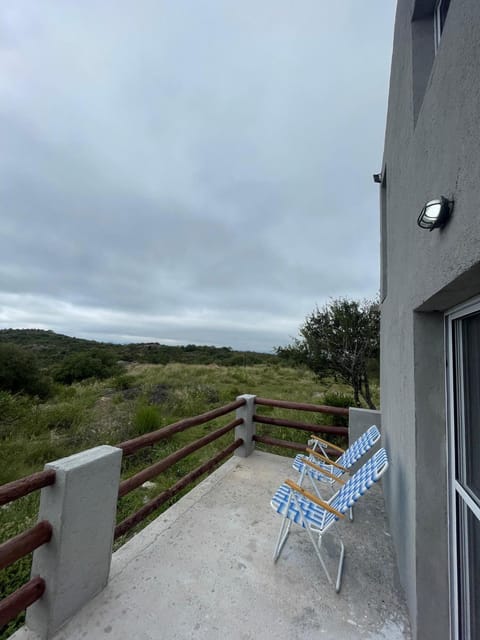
{"x":247,"y":429}
{"x":81,"y":508}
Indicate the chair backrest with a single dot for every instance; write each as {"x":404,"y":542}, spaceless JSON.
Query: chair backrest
{"x":360,"y":447}
{"x":361,"y":481}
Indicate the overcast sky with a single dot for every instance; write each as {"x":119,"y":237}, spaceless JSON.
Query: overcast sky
{"x":189,"y":171}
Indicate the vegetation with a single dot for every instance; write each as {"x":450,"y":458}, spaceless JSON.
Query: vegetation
{"x":50,"y":349}
{"x":19,"y":372}
{"x":341,"y":339}
{"x":60,"y":395}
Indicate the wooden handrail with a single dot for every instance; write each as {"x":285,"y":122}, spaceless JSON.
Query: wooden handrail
{"x":24,"y":486}
{"x":276,"y":442}
{"x":302,"y":406}
{"x":20,"y":599}
{"x":313,"y":498}
{"x":147,"y":440}
{"x":155,"y":469}
{"x":24,"y":543}
{"x":303,"y":426}
{"x":157,"y":502}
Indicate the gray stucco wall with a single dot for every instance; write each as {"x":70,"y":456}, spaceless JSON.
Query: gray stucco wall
{"x":431,"y":149}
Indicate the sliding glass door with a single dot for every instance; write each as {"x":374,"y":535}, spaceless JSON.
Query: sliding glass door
{"x":463,"y":366}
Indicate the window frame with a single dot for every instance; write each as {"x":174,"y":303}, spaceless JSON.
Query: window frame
{"x":438,"y":22}
{"x":454,"y":388}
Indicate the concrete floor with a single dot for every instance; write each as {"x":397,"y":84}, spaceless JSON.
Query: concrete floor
{"x":204,"y":569}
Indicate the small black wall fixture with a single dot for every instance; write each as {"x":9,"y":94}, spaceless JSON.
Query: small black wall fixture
{"x":435,"y":214}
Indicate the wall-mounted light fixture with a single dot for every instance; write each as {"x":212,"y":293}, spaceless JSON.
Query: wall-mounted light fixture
{"x":377,"y":177}
{"x":435,"y":214}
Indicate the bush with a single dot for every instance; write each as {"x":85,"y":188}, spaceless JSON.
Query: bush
{"x":62,"y":416}
{"x":88,"y":364}
{"x":19,"y":372}
{"x":123,"y":382}
{"x":147,"y":418}
{"x":337,"y":399}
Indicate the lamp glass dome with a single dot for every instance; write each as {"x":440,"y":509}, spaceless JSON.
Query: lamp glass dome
{"x":434,"y":214}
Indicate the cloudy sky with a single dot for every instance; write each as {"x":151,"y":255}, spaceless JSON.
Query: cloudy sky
{"x":189,"y":171}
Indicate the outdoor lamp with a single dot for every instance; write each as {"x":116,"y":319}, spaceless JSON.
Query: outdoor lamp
{"x":435,"y":214}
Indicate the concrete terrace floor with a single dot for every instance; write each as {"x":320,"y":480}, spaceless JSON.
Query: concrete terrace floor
{"x":204,"y":569}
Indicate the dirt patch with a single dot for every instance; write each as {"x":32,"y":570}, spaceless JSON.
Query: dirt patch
{"x":159,"y":394}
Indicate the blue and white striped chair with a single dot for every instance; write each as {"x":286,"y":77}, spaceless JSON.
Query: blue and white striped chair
{"x":320,"y":468}
{"x":298,"y":505}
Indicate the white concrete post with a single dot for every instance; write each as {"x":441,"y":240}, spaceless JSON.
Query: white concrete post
{"x":358,"y":422}
{"x":247,"y":429}
{"x":81,"y":508}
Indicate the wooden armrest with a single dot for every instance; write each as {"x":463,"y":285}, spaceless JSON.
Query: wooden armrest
{"x":313,"y":498}
{"x":323,"y":471}
{"x":327,"y":444}
{"x":326,"y":460}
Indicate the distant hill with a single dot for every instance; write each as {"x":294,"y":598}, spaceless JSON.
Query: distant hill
{"x":51,"y":348}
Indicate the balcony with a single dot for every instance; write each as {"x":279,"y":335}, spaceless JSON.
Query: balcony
{"x":204,"y":569}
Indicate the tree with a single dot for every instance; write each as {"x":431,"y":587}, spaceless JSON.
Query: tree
{"x":340,"y":339}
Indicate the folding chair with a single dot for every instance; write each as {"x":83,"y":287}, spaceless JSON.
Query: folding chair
{"x":298,"y":505}
{"x":321,"y":468}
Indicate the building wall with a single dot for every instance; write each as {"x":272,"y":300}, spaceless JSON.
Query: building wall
{"x":431,"y":149}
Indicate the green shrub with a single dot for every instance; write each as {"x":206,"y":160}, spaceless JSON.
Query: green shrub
{"x":15,"y":409}
{"x":88,"y":364}
{"x":123,"y":382}
{"x":147,"y":418}
{"x":19,"y":372}
{"x":62,"y":416}
{"x":337,"y":399}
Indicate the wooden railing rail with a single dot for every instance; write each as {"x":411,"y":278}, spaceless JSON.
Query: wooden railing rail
{"x":313,"y":428}
{"x":24,"y":486}
{"x":24,"y":543}
{"x":131,"y":446}
{"x":275,"y":442}
{"x":20,"y":599}
{"x":302,"y":406}
{"x":163,"y":497}
{"x":155,"y":469}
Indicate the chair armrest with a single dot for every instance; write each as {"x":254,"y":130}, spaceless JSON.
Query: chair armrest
{"x":323,"y":471}
{"x":326,"y":460}
{"x":327,"y":444}
{"x":313,"y":498}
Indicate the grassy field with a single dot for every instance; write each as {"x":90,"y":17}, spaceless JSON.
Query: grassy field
{"x":143,"y":398}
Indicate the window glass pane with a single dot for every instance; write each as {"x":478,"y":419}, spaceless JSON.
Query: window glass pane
{"x":471,"y":381}
{"x":443,"y":12}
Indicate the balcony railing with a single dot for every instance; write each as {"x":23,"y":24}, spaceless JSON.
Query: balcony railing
{"x":81,"y":497}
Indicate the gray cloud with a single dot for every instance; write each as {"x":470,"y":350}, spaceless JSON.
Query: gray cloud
{"x":188,"y":172}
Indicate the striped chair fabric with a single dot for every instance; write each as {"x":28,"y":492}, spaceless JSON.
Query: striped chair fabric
{"x":358,"y":449}
{"x":302,"y":511}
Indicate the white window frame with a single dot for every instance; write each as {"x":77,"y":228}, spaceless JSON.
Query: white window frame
{"x":454,"y":488}
{"x":437,"y":24}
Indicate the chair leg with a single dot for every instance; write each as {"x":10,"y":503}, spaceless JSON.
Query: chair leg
{"x":350,"y":514}
{"x":319,"y":555}
{"x":338,"y":583}
{"x":282,"y":537}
